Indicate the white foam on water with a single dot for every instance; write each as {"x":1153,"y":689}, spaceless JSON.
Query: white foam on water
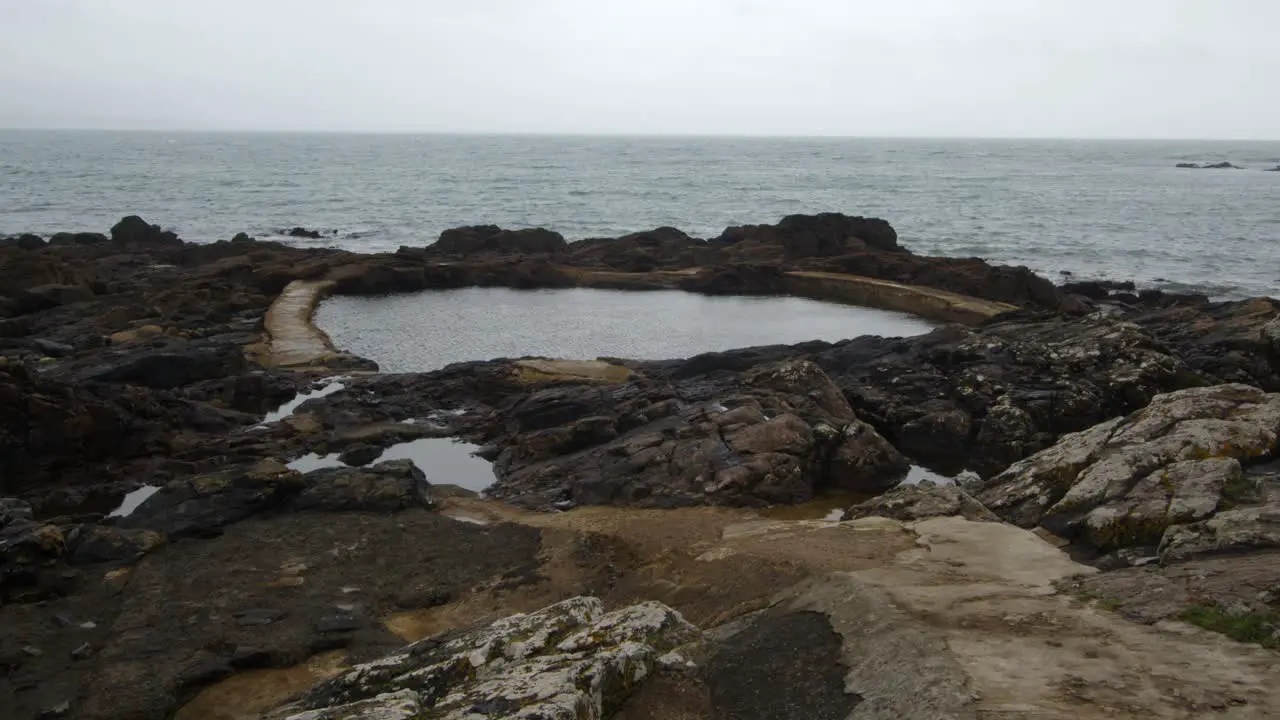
{"x":133,"y":500}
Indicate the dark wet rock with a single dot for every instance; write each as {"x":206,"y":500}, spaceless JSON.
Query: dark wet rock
{"x":57,"y":710}
{"x":778,"y":433}
{"x":24,"y":242}
{"x":920,"y":502}
{"x":737,"y":280}
{"x":301,"y":232}
{"x":52,"y":295}
{"x":16,"y":327}
{"x":133,"y":230}
{"x":258,"y":616}
{"x":961,"y":399}
{"x":584,"y":662}
{"x":29,"y":554}
{"x":83,"y":651}
{"x":386,"y":487}
{"x":1209,"y":166}
{"x":641,"y":252}
{"x":65,"y":239}
{"x":106,"y":544}
{"x":1274,"y":169}
{"x":360,"y":455}
{"x":782,"y":666}
{"x":200,"y":506}
{"x":163,"y":364}
{"x":243,"y":238}
{"x":54,"y":434}
{"x":803,"y":236}
{"x":52,"y":348}
{"x":1098,"y":289}
{"x":1132,"y":481}
{"x":13,"y":510}
{"x":340,"y":622}
{"x":491,"y":239}
{"x":175,"y":615}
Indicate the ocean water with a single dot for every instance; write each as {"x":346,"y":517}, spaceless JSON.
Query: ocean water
{"x":420,"y":332}
{"x":1097,"y":209}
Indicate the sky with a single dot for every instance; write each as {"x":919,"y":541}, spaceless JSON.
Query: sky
{"x":916,"y":68}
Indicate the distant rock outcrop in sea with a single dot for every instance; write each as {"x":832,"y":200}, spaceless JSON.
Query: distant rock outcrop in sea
{"x":1210,"y":166}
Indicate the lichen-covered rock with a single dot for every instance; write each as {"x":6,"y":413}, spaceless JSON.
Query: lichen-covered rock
{"x":1230,"y":531}
{"x":565,"y":662}
{"x":1124,"y":482}
{"x":918,"y":502}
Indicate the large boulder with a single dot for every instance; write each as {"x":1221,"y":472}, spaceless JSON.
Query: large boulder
{"x":386,"y":487}
{"x":773,"y":433}
{"x":641,"y":252}
{"x":803,"y":236}
{"x":776,"y":433}
{"x":133,"y":230}
{"x":980,"y":399}
{"x":491,"y":239}
{"x":1126,"y":481}
{"x":569,"y":660}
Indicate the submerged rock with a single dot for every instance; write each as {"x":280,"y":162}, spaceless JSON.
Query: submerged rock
{"x":1127,"y":481}
{"x":567,"y":661}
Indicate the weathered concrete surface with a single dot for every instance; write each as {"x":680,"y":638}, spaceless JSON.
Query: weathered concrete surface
{"x":294,"y":340}
{"x":988,"y":590}
{"x":929,"y":303}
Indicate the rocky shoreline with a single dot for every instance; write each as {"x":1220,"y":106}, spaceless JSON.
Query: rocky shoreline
{"x":1137,"y":429}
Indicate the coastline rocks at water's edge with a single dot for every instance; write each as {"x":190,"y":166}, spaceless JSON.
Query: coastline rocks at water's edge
{"x":1209,"y":166}
{"x":776,"y":434}
{"x":1175,"y":474}
{"x":482,"y":239}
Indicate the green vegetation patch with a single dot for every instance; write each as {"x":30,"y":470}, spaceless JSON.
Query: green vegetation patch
{"x":1254,"y":627}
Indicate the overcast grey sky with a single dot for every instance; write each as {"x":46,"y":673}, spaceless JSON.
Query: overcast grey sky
{"x":992,"y":68}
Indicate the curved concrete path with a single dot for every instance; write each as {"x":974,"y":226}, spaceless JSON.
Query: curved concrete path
{"x":293,"y":339}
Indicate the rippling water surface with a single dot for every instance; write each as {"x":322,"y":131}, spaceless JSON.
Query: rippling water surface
{"x":1116,"y":209}
{"x":428,"y":330}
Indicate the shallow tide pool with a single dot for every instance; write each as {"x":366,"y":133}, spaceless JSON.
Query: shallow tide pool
{"x":425,"y":331}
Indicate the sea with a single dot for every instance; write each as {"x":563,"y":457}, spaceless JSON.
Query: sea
{"x":1069,"y":209}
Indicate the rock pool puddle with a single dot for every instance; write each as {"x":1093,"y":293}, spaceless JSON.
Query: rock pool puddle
{"x":133,"y":500}
{"x":327,"y":386}
{"x":444,"y":461}
{"x":917,"y":475}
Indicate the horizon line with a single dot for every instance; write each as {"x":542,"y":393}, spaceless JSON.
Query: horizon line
{"x":611,"y":134}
